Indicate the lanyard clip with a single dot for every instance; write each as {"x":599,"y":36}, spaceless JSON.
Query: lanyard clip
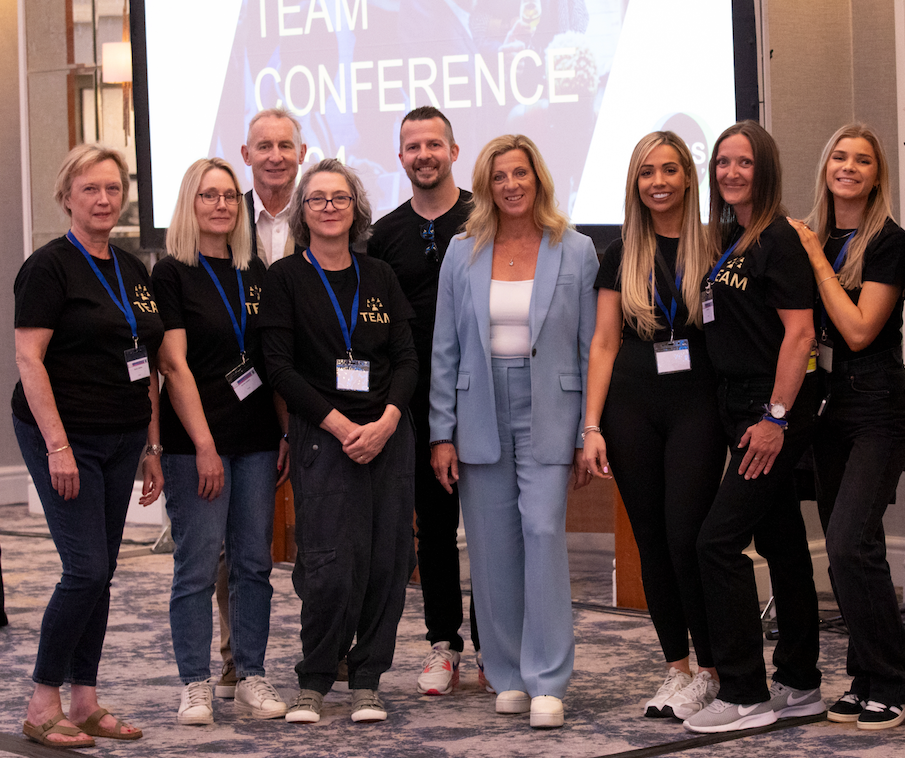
{"x":135,"y":340}
{"x":242,"y":355}
{"x":349,"y":353}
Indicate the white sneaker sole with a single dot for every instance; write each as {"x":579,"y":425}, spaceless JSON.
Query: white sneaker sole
{"x":195,"y":719}
{"x":547,"y":720}
{"x":811,"y":709}
{"x":368,"y":716}
{"x":521,"y":705}
{"x":428,"y":690}
{"x":746,"y":722}
{"x":302,"y":717}
{"x":261,"y":713}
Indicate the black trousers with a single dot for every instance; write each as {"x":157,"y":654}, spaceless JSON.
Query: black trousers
{"x":667,"y":451}
{"x":353,"y":528}
{"x":859,"y":453}
{"x":767,"y":510}
{"x":437,"y":522}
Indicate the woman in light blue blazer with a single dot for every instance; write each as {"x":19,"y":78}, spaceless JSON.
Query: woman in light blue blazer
{"x":515,"y":317}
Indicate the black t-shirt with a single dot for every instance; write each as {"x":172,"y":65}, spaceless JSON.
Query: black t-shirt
{"x":397,"y":240}
{"x":188,"y":299}
{"x":745,"y":336}
{"x":884,"y":262}
{"x":57,"y":289}
{"x":303,"y":339}
{"x":636,"y":358}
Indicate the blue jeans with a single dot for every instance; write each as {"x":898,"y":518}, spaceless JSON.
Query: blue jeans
{"x":515,"y":520}
{"x":87,"y":532}
{"x":242,"y":519}
{"x":859,"y":453}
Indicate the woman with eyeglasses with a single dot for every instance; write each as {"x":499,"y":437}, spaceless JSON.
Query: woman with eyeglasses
{"x":857,"y":254}
{"x":339,"y":350}
{"x":220,"y":430}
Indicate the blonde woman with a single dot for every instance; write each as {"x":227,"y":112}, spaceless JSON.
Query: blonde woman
{"x":221,"y":436}
{"x":857,"y":254}
{"x":515,"y":317}
{"x":652,"y":389}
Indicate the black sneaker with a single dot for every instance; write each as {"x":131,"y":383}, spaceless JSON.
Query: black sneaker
{"x":847,"y":708}
{"x":880,"y":716}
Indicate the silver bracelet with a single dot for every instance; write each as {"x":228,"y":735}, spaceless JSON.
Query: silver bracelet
{"x":589,"y":429}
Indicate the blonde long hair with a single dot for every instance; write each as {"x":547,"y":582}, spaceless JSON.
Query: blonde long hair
{"x":483,"y":220}
{"x":639,"y":242}
{"x":823,"y":216}
{"x":766,"y":190}
{"x":184,"y":235}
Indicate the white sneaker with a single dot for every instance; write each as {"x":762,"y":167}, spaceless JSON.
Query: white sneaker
{"x":546,"y":712}
{"x":256,"y":695}
{"x":676,"y":680}
{"x":440,"y":672}
{"x":306,"y":708}
{"x":697,"y":695}
{"x":513,"y":701}
{"x":195,"y":706}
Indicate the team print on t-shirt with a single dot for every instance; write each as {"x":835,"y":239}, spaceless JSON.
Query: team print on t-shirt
{"x":374,"y":312}
{"x":143,"y":300}
{"x":253,"y":299}
{"x":729,"y":274}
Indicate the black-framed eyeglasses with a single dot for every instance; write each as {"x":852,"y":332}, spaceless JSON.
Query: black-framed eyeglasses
{"x":212,"y":198}
{"x":427,"y":233}
{"x":340,"y":202}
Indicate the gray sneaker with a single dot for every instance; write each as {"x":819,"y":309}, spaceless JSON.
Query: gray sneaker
{"x":698,"y":695}
{"x":306,"y":708}
{"x":367,"y":707}
{"x":721,"y":716}
{"x":788,"y":702}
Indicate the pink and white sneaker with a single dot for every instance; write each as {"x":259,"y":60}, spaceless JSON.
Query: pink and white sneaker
{"x":440,"y":672}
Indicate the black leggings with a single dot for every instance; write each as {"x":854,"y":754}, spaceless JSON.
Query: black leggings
{"x":667,"y":451}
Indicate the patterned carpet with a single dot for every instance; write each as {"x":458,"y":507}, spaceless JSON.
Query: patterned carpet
{"x":617,"y":669}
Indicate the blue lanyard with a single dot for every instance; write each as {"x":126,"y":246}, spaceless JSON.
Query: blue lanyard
{"x":239,"y":331}
{"x":123,"y":304}
{"x":671,"y":313}
{"x":347,"y":332}
{"x":719,"y":264}
{"x":840,"y":260}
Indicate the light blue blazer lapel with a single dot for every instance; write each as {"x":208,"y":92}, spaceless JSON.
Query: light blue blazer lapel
{"x":479,"y":274}
{"x":545,"y":274}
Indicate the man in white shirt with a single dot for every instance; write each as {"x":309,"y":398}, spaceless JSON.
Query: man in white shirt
{"x":274,"y":150}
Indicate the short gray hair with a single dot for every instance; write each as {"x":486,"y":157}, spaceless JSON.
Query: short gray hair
{"x":277,"y":113}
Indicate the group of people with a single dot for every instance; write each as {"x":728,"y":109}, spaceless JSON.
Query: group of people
{"x":467,"y":358}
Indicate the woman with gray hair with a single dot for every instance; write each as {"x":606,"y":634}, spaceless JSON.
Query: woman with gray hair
{"x":87,"y":333}
{"x":340,"y":352}
{"x":219,"y":425}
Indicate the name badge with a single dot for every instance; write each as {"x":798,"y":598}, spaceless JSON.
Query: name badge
{"x":707,"y":305}
{"x":825,"y":355}
{"x":672,"y":356}
{"x":244,"y":380}
{"x":352,"y":375}
{"x":137,"y":363}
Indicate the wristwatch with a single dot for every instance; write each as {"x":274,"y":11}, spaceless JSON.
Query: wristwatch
{"x":153,"y":449}
{"x":776,"y":410}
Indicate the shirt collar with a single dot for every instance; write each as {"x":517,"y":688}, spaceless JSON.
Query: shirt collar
{"x":259,"y":207}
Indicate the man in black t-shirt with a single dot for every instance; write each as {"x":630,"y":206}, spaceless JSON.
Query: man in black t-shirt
{"x":413,"y":240}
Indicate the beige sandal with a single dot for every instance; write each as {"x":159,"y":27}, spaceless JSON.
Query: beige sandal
{"x":41,"y":733}
{"x":92,"y":726}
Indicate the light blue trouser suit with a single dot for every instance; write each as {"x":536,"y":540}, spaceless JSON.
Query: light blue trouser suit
{"x":515,"y":519}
